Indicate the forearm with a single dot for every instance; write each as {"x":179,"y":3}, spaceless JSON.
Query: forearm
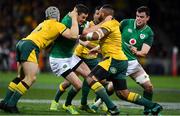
{"x":141,"y":54}
{"x":74,"y":28}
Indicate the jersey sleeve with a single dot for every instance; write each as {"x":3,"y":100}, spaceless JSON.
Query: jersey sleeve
{"x":150,"y":39}
{"x":107,"y":25}
{"x":123,"y":24}
{"x":67,"y":21}
{"x":61,"y":27}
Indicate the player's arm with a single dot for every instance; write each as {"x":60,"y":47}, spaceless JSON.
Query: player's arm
{"x":73,"y":32}
{"x":96,"y":35}
{"x":96,"y":27}
{"x":87,"y":44}
{"x":143,"y":52}
{"x":95,"y":50}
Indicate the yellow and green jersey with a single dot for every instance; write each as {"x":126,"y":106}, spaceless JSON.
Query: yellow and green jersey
{"x":83,"y":52}
{"x":45,"y":33}
{"x":131,"y":35}
{"x":111,"y":45}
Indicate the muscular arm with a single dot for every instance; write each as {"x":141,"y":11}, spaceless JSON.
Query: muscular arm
{"x":96,"y":35}
{"x":143,"y":52}
{"x":73,"y":32}
{"x":87,"y":44}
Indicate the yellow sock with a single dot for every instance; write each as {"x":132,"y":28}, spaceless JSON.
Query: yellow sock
{"x":21,"y":88}
{"x":132,"y":97}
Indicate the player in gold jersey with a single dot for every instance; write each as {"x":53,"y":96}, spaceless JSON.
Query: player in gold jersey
{"x":27,"y":51}
{"x":114,"y":64}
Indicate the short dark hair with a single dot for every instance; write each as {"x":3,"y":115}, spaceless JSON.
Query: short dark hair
{"x":97,"y":8}
{"x":109,"y":8}
{"x":144,"y":9}
{"x":81,"y":8}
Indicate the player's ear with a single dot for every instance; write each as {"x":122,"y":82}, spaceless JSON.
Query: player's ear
{"x":148,"y":17}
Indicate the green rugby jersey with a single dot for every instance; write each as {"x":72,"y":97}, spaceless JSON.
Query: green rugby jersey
{"x":131,"y":35}
{"x":63,"y":47}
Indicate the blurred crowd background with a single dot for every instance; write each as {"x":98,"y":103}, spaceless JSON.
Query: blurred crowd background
{"x":19,"y":17}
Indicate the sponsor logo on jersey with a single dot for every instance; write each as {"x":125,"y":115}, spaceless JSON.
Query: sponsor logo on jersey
{"x":142,"y":36}
{"x":113,"y":70}
{"x":129,"y":30}
{"x":132,"y":41}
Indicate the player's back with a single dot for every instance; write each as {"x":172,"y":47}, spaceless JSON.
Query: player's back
{"x":111,"y":45}
{"x":46,"y":32}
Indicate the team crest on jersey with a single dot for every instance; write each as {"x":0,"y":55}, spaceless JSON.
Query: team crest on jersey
{"x":65,"y":66}
{"x":142,"y":36}
{"x":113,"y":70}
{"x":130,"y":30}
{"x":132,"y":41}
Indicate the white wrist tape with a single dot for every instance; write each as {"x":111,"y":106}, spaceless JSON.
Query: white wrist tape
{"x":89,"y":36}
{"x":100,"y":33}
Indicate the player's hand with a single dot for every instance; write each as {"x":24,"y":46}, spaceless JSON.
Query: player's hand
{"x":95,"y":50}
{"x":82,"y":37}
{"x":133,"y":49}
{"x":73,"y":14}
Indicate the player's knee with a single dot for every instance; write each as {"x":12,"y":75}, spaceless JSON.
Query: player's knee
{"x":110,"y":86}
{"x":148,"y":88}
{"x":122,"y":94}
{"x":78,"y":87}
{"x":141,"y":79}
{"x":33,"y":79}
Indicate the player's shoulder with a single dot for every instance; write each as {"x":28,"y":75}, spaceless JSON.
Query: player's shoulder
{"x":111,"y":23}
{"x":149,"y":30}
{"x":128,"y":20}
{"x":66,"y":18}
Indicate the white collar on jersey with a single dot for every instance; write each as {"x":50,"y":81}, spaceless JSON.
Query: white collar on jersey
{"x":141,"y":28}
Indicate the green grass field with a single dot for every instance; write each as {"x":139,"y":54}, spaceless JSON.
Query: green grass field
{"x":167,"y":89}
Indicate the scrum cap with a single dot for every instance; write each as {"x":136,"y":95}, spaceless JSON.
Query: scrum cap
{"x":52,"y":12}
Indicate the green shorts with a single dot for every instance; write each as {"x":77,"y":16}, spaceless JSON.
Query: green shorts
{"x":26,"y":50}
{"x":91,"y":62}
{"x":112,"y":70}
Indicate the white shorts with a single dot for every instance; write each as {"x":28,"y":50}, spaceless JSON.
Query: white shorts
{"x":133,"y":66}
{"x":61,"y":65}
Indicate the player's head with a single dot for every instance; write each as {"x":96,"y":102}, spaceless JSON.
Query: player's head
{"x":96,"y":15}
{"x":82,"y":13}
{"x":142,"y":16}
{"x":106,"y":10}
{"x":52,"y":12}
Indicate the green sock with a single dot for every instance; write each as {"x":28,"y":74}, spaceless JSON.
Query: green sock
{"x":11,"y":88}
{"x":21,"y":89}
{"x":9,"y":93}
{"x":58,"y":95}
{"x":71,"y":94}
{"x":138,"y":99}
{"x":147,"y":95}
{"x":85,"y":92}
{"x":108,"y":92}
{"x":14,"y":99}
{"x":101,"y":92}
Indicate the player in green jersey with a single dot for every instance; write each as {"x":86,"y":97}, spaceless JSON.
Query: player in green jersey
{"x":137,"y":41}
{"x":64,"y":63}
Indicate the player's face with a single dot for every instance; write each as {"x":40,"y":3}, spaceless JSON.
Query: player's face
{"x":101,"y":15}
{"x":96,"y":16}
{"x":81,"y":18}
{"x":141,"y":19}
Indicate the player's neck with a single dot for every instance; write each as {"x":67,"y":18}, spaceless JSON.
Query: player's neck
{"x":141,"y":26}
